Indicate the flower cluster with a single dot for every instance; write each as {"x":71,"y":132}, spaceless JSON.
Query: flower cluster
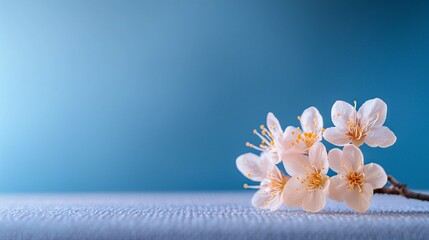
{"x":307,"y":161}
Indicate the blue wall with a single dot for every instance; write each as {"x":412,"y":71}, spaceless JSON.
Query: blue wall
{"x":162,"y":95}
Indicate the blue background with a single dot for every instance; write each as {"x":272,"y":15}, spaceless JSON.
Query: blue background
{"x":162,"y":95}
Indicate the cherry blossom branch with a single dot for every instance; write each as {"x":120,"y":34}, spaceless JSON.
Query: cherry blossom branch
{"x":398,"y":188}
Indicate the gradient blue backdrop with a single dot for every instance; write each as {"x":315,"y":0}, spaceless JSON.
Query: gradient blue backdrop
{"x":162,"y":95}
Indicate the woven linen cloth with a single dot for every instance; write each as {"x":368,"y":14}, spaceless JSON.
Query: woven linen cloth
{"x":202,"y":216}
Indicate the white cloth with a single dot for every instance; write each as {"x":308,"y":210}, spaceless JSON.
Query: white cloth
{"x":202,"y":216}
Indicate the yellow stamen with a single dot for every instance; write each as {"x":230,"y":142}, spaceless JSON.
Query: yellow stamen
{"x":355,"y":180}
{"x":316,"y":180}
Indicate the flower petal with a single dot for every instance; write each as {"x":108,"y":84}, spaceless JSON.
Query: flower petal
{"x":337,"y":188}
{"x":275,"y":171}
{"x":337,"y":136}
{"x":335,"y":157}
{"x":253,"y":167}
{"x":275,"y":203}
{"x":274,"y":125}
{"x":314,"y":201}
{"x":294,"y":193}
{"x":260,"y":199}
{"x":319,"y":157}
{"x":375,"y":175}
{"x":373,"y":110}
{"x":295,"y":164}
{"x":359,"y":201}
{"x":289,"y":141}
{"x":353,"y":155}
{"x":290,"y":133}
{"x":311,"y":120}
{"x":340,"y":114}
{"x":380,"y":137}
{"x":274,"y":157}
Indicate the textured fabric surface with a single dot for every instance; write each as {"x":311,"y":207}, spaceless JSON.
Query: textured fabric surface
{"x":202,"y":216}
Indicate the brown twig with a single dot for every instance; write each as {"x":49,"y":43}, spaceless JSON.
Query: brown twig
{"x":398,"y":188}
